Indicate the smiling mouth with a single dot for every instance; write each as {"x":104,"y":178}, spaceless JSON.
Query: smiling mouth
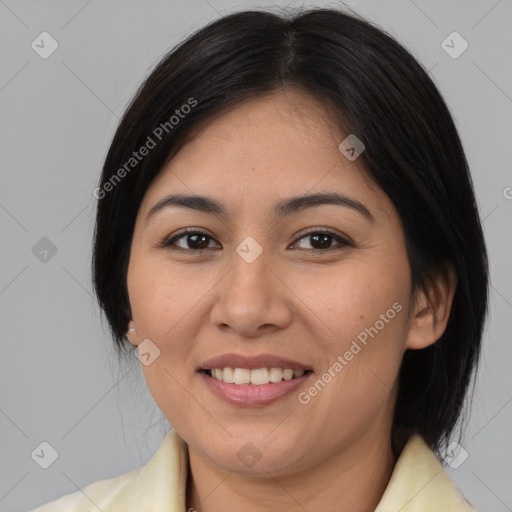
{"x":256,"y":377}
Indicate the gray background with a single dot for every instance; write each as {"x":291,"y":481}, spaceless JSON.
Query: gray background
{"x":59,"y":379}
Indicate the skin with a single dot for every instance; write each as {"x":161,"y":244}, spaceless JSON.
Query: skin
{"x":297,"y":300}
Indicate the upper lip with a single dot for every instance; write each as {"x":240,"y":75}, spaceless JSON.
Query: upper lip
{"x":252,"y":362}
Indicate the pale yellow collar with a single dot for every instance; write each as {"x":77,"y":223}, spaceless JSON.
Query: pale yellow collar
{"x":419,"y":483}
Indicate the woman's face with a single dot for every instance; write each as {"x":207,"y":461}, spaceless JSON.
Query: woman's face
{"x":314,"y":287}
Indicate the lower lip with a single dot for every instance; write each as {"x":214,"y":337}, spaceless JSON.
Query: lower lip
{"x":250,"y":394}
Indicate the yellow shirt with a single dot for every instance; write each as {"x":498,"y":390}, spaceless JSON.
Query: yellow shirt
{"x":418,"y":484}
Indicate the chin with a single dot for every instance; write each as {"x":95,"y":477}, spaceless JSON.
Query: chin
{"x":256,"y":454}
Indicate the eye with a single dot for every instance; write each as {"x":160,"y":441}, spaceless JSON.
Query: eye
{"x":193,"y":240}
{"x":321,"y":240}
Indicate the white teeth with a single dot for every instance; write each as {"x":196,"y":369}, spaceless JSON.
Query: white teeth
{"x":227,"y":375}
{"x":242,"y":376}
{"x":260,"y":376}
{"x":257,"y":376}
{"x":276,"y":375}
{"x":287,"y":374}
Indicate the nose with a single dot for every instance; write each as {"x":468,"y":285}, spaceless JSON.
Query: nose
{"x":252,"y":299}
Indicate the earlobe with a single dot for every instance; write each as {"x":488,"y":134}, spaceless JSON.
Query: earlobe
{"x":432,"y":309}
{"x":130,"y":333}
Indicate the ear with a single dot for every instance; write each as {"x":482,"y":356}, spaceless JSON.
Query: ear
{"x":431,"y":309}
{"x":131,"y":336}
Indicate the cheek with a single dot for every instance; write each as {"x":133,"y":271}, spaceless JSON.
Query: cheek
{"x":362,"y":329}
{"x":353,"y":297}
{"x":161,"y":296}
{"x":166,"y":306}
{"x":366,"y":319}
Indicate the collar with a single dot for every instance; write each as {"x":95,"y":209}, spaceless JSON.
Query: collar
{"x":419,"y":483}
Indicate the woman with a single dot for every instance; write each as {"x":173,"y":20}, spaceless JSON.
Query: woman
{"x":287,"y":232}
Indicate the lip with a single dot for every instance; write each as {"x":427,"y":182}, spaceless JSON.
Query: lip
{"x":252,"y":362}
{"x":250,"y":395}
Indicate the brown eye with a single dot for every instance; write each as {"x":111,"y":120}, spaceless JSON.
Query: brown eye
{"x":193,"y":240}
{"x":321,"y":240}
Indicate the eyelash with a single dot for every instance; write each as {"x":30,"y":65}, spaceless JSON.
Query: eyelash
{"x":168,"y":243}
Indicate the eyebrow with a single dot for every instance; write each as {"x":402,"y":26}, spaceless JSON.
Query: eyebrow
{"x":282,"y":209}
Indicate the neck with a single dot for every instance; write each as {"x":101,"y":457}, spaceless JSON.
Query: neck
{"x":353,"y":478}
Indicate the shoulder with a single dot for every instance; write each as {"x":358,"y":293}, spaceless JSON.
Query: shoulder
{"x":158,"y":485}
{"x":99,"y":495}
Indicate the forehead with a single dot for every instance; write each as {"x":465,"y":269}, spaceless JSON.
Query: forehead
{"x":264,"y":149}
